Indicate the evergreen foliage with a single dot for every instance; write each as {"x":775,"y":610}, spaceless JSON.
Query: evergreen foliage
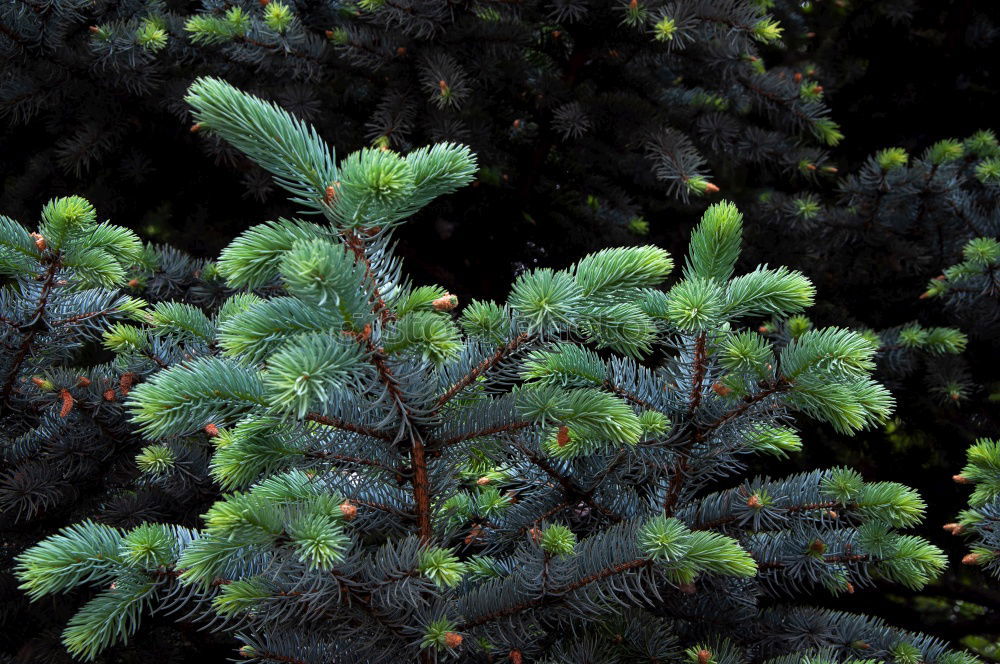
{"x":585,"y":111}
{"x":557,"y":478}
{"x":67,"y":448}
{"x":980,"y":521}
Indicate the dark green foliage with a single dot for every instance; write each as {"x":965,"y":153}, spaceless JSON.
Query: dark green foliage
{"x":527,"y":481}
{"x":67,"y":448}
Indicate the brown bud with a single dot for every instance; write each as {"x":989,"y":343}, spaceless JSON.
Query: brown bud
{"x":535,"y":534}
{"x":474,"y":533}
{"x":810,"y":35}
{"x":517,"y":124}
{"x":810,"y":167}
{"x":762,"y":329}
{"x":67,"y":402}
{"x":515,"y":657}
{"x":711,"y":188}
{"x":452,"y":639}
{"x":704,"y":656}
{"x":755,"y":502}
{"x":483,"y":481}
{"x":971,"y":559}
{"x":721,"y":389}
{"x":133,"y":283}
{"x":562,"y":437}
{"x":39,"y":241}
{"x":264,"y":3}
{"x":41,"y":383}
{"x":401,"y":51}
{"x":211,"y":430}
{"x":349,"y":510}
{"x":109,"y":395}
{"x":817,"y":546}
{"x":832,"y":514}
{"x":443,"y":85}
{"x":633,"y":4}
{"x":126,"y":382}
{"x":446,"y":302}
{"x":961,"y":479}
{"x":82,"y":381}
{"x":830,"y":169}
{"x":798,"y":77}
{"x":849,"y":588}
{"x":94,"y":29}
{"x":556,"y":34}
{"x":328,"y":33}
{"x":954,"y":528}
{"x":688,"y":588}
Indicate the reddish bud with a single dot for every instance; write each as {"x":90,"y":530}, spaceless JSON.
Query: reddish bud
{"x":721,"y":389}
{"x":810,"y":167}
{"x":688,"y":588}
{"x":401,"y":51}
{"x":755,"y":502}
{"x":264,"y":3}
{"x":82,"y":381}
{"x":109,"y":395}
{"x":39,"y":241}
{"x":94,"y":29}
{"x":483,"y":481}
{"x":960,"y":479}
{"x":133,"y":283}
{"x":446,"y":302}
{"x":817,"y":546}
{"x":633,"y":4}
{"x":211,"y":430}
{"x":515,"y":657}
{"x":196,"y":127}
{"x":849,"y":588}
{"x":562,"y":437}
{"x":832,"y":514}
{"x":517,"y":124}
{"x":67,"y":402}
{"x":328,"y":33}
{"x":126,"y":382}
{"x":452,"y":639}
{"x":556,"y":34}
{"x":953,"y":528}
{"x":349,"y":510}
{"x":971,"y":559}
{"x":535,"y":534}
{"x":443,"y":85}
{"x":704,"y":656}
{"x":711,"y":188}
{"x":798,"y":77}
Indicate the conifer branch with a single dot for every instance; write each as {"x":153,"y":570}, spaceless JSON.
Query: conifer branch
{"x":481,"y":368}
